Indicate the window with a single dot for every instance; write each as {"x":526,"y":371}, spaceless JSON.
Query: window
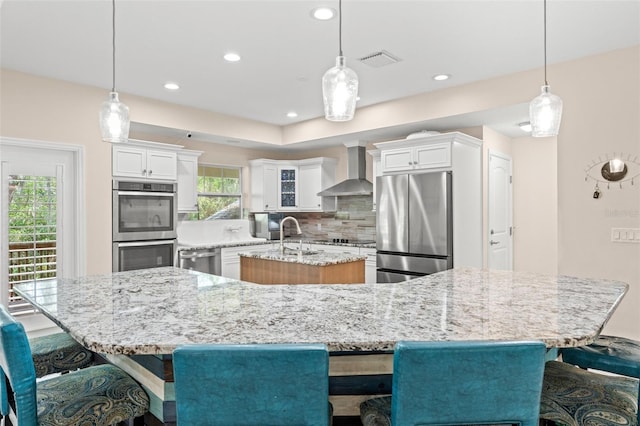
{"x":219,"y":193}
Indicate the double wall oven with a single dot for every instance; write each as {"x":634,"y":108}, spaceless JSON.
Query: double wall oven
{"x":145,"y":217}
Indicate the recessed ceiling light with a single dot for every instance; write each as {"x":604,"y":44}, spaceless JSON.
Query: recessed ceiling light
{"x":292,"y":114}
{"x":171,"y":86}
{"x":231,"y":57}
{"x":323,"y":13}
{"x":441,"y":77}
{"x":525,"y":126}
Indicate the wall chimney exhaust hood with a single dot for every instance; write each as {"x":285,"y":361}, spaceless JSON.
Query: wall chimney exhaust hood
{"x":356,"y":183}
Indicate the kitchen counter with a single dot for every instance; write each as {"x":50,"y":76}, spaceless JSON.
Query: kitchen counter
{"x":137,"y":318}
{"x":301,"y":267}
{"x":305,"y":257}
{"x":182,"y":245}
{"x":177,"y":306}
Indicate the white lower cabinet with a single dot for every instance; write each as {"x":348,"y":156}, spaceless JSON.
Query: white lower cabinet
{"x":231,"y":259}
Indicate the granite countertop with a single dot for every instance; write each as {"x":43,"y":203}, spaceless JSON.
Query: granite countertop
{"x":221,"y":244}
{"x":262,"y":241}
{"x":313,"y":258}
{"x":153,"y":311}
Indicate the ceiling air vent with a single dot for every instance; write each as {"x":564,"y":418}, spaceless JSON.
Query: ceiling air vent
{"x":379,"y":59}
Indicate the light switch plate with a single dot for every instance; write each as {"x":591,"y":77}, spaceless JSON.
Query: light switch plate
{"x":625,"y":235}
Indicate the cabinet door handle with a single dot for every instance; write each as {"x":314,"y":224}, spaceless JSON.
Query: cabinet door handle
{"x":493,"y":243}
{"x":144,"y":171}
{"x":150,"y":171}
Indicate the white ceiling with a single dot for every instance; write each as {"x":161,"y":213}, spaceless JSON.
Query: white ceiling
{"x":285,"y":52}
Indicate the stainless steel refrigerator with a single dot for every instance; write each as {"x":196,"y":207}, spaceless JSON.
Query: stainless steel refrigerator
{"x":414,"y":221}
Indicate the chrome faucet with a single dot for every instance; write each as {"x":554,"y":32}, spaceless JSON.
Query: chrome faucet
{"x":282,"y":230}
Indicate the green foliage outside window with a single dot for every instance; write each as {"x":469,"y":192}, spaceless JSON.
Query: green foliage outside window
{"x":32,"y":208}
{"x":219,"y":193}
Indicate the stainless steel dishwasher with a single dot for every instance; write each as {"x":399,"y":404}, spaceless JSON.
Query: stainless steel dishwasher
{"x":202,"y":260}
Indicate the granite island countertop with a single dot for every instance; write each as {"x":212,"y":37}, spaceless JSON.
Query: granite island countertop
{"x":312,"y":258}
{"x":153,"y":311}
{"x":262,"y":241}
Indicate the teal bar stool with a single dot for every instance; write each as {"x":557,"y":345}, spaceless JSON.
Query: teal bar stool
{"x":450,"y":383}
{"x":611,"y":354}
{"x":233,"y":385}
{"x":58,"y":353}
{"x":98,"y":395}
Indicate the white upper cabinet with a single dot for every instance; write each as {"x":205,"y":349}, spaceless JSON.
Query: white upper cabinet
{"x":264,"y":185}
{"x":433,"y":155}
{"x":315,"y":175}
{"x":292,"y":185}
{"x":145,"y":160}
{"x":188,"y":181}
{"x":376,"y":171}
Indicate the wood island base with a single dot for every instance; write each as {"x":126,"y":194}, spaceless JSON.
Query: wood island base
{"x":262,"y":271}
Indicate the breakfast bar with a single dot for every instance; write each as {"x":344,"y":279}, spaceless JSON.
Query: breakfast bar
{"x":137,"y":318}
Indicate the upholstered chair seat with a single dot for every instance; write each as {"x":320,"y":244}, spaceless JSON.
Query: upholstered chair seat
{"x":575,"y":397}
{"x":58,"y":353}
{"x":612,"y":354}
{"x":94,"y":396}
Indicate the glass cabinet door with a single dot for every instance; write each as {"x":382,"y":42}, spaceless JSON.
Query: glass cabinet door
{"x":288,"y":185}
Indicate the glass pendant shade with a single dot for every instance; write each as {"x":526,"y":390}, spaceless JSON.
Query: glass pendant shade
{"x":340,"y":92}
{"x":545,"y":113}
{"x":114,"y":120}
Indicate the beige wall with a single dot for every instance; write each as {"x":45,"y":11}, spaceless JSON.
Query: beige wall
{"x":535,"y":205}
{"x":602,"y":115}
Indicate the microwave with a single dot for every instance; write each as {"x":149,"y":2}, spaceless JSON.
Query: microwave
{"x":267,"y":225}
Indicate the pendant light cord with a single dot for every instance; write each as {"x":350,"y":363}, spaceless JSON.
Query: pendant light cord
{"x":340,"y":26}
{"x":545,"y":43}
{"x":113,"y":44}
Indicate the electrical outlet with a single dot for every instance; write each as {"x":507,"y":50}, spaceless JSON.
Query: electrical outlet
{"x":625,"y":235}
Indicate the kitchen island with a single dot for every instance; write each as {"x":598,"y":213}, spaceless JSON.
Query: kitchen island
{"x":138,"y":318}
{"x":301,"y":267}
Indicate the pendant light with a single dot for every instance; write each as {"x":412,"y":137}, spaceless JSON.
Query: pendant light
{"x":340,"y":85}
{"x":114,"y":115}
{"x":545,"y":111}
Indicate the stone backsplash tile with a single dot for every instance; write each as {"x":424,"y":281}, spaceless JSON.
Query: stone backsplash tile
{"x":353,"y":219}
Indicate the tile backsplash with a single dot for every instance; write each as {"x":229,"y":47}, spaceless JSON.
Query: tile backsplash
{"x":353,"y":219}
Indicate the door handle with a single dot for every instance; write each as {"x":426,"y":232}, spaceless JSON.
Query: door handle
{"x":493,"y":243}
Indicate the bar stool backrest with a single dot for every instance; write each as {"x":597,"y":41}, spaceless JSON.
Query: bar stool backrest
{"x":16,"y":363}
{"x":467,"y":383}
{"x":277,"y":384}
